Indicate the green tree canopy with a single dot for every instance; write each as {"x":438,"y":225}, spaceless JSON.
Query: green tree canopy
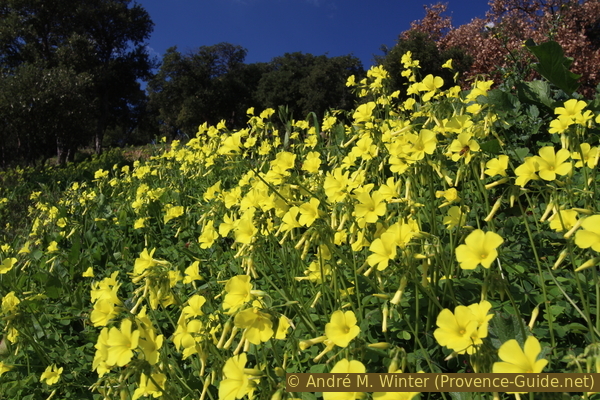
{"x":424,"y":49}
{"x":101,"y":40}
{"x":306,"y":83}
{"x":209,"y":84}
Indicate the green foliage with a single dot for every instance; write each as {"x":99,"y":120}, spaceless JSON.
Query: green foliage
{"x":86,"y":58}
{"x":208,"y":85}
{"x":421,"y":235}
{"x":43,"y":110}
{"x":554,"y":66}
{"x":430,"y":59}
{"x":306,"y":83}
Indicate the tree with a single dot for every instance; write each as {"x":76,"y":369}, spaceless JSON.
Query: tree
{"x":102,"y":40}
{"x":496,"y":42}
{"x":40,"y":110}
{"x":307,"y":83}
{"x":423,"y":48}
{"x":207,"y":85}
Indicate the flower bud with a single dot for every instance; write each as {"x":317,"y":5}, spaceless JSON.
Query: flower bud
{"x":398,"y":295}
{"x":560,"y":259}
{"x":588,"y":264}
{"x":534,"y":315}
{"x":380,"y":345}
{"x":495,"y":209}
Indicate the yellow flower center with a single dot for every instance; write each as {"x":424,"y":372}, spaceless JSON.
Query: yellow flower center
{"x":346,"y":329}
{"x":483,"y":256}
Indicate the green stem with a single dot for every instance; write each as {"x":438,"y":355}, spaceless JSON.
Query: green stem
{"x":541,"y":277}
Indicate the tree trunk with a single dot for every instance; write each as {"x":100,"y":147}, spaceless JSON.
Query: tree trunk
{"x":61,"y":152}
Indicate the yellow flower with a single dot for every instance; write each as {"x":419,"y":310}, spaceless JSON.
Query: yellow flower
{"x":571,"y":108}
{"x":282,"y":328}
{"x":384,"y":250}
{"x":448,"y":64}
{"x":212,"y":191}
{"x":344,"y":367}
{"x":237,"y":383}
{"x":336,"y":185}
{"x":527,"y":171}
{"x":106,"y":289}
{"x":365,"y":148}
{"x":590,"y":156}
{"x":121,"y":343}
{"x":560,"y":124}
{"x":150,"y":344}
{"x":99,"y":174}
{"x":316,"y":272}
{"x":173,"y":212}
{"x":4,"y":368}
{"x":456,"y":330}
{"x":497,"y":166}
{"x":148,"y":386}
{"x":423,"y":143}
{"x":25,"y":249}
{"x":9,"y":303}
{"x":283,"y":161}
{"x":7,"y":265}
{"x":451,"y":196}
{"x":139,"y":223}
{"x":89,"y":273}
{"x":309,"y":212}
{"x":564,"y":220}
{"x":342,"y":328}
{"x":104,"y":310}
{"x":551,"y":164}
{"x":245,"y":230}
{"x":588,"y":237}
{"x":186,"y":335}
{"x":52,"y":247}
{"x":312,"y":162}
{"x":208,"y":236}
{"x":455,"y":217}
{"x":194,"y":307}
{"x":363,"y":112}
{"x":51,"y":375}
{"x":463,"y":146}
{"x":430,"y":85}
{"x":192,"y":273}
{"x":480,"y":314}
{"x":371,"y":207}
{"x":258,"y":325}
{"x":238,"y":291}
{"x":520,"y":361}
{"x":144,"y":261}
{"x":479,"y":248}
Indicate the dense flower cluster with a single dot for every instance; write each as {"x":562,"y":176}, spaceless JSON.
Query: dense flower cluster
{"x":239,"y":248}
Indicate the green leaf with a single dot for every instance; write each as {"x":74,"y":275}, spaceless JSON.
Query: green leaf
{"x":534,"y":112}
{"x":522,"y":152}
{"x":505,"y":326}
{"x":500,"y":99}
{"x":536,"y":92}
{"x":461,"y":395}
{"x":491,"y":147}
{"x":318,"y":369}
{"x":75,"y":249}
{"x":554,"y":66}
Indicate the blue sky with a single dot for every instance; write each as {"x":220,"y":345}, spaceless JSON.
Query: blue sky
{"x":270,"y":28}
